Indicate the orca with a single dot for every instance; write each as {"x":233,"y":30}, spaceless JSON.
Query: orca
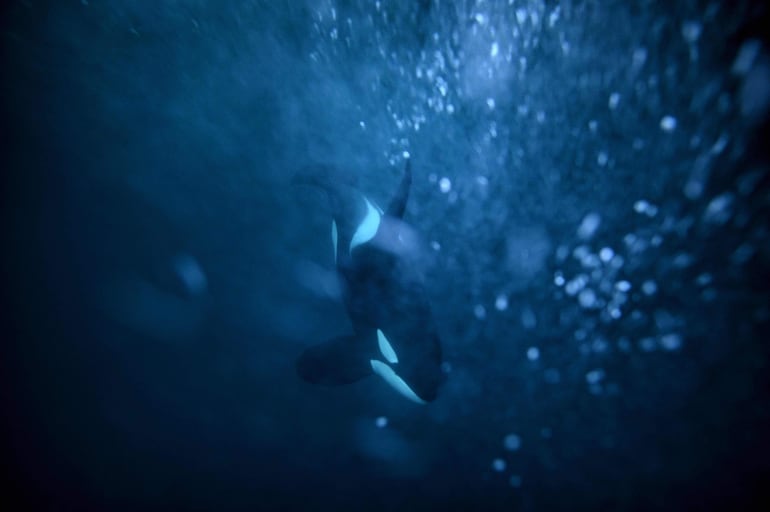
{"x":133,"y":266}
{"x":394,"y":333}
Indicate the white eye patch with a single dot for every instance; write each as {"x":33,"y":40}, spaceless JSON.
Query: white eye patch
{"x":396,"y":382}
{"x":368,"y":227}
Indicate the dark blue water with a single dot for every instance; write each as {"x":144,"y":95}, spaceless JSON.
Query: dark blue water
{"x":590,"y":193}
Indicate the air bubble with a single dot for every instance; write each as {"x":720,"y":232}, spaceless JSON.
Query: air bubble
{"x":587,"y":298}
{"x":595,"y":376}
{"x":668,"y":124}
{"x":602,"y":158}
{"x":649,"y":287}
{"x":528,"y":318}
{"x":671,"y":341}
{"x":691,"y":31}
{"x":512,"y":442}
{"x":647,"y":344}
{"x":623,"y":286}
{"x":589,"y":225}
{"x":606,"y":254}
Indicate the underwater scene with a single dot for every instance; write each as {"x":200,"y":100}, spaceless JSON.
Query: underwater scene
{"x":385,"y":255}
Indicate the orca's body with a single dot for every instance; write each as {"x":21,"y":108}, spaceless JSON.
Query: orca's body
{"x":394,"y":332}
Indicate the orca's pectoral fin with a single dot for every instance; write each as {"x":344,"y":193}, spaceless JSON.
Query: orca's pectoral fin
{"x":397,"y":205}
{"x":341,"y":360}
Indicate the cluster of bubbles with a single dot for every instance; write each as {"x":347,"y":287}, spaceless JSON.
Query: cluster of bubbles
{"x":463,"y":63}
{"x":611,"y":281}
{"x":621,"y":283}
{"x":512,"y":444}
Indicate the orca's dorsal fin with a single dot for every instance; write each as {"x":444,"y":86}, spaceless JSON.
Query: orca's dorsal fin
{"x":397,"y":205}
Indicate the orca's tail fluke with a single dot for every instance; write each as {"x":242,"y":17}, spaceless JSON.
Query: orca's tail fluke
{"x":341,"y":360}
